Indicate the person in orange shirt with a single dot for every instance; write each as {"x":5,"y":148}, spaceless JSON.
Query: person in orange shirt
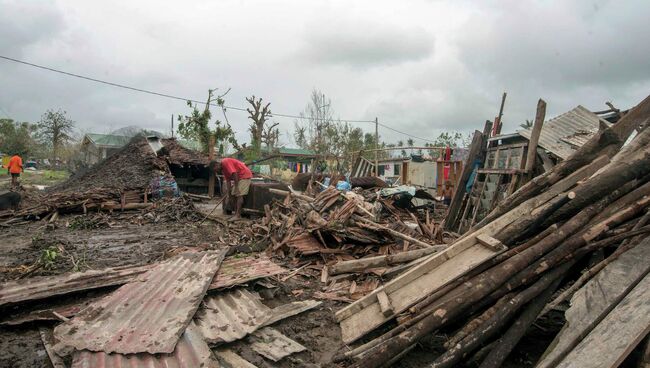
{"x":14,"y":168}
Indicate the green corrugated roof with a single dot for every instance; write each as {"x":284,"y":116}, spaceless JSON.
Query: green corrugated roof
{"x":193,"y":145}
{"x":108,"y":139}
{"x":290,"y":151}
{"x":295,"y":151}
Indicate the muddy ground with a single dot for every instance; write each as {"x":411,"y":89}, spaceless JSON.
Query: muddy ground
{"x":90,"y":242}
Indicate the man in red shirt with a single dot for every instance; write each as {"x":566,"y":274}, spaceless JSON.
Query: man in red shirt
{"x":237,"y":172}
{"x":15,"y":167}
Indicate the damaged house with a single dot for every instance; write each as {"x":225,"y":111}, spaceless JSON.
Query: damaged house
{"x":499,"y":166}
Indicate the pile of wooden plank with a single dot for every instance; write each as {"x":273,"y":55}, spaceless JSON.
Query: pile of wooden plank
{"x":496,"y":279}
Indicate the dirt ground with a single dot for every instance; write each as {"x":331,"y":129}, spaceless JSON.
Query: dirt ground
{"x":83,"y":242}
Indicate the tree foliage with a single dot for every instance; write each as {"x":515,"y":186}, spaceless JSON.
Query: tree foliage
{"x":196,"y":126}
{"x":55,"y":130}
{"x":18,"y":138}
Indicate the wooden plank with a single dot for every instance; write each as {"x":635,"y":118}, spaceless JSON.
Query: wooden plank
{"x":230,"y":359}
{"x":421,"y":281}
{"x":291,"y":309}
{"x":490,"y":242}
{"x":384,"y":303}
{"x":431,"y":263}
{"x":534,"y":135}
{"x":593,"y":301}
{"x":499,"y":171}
{"x":478,"y":141}
{"x":271,"y":344}
{"x":546,"y":160}
{"x":47,"y":337}
{"x":617,"y":335}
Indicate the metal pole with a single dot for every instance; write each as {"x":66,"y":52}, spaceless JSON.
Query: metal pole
{"x":376,"y":147}
{"x":172,"y":125}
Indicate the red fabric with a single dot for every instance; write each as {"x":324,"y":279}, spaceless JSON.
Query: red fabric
{"x":230,"y":166}
{"x":15,"y":164}
{"x":447,"y":154}
{"x":445,"y":171}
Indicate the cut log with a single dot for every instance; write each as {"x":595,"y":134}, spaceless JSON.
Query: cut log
{"x":363,"y":264}
{"x":392,"y":232}
{"x":464,"y":296}
{"x":489,"y":328}
{"x":506,"y":343}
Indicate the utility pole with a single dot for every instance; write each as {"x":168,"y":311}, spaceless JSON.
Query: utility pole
{"x":172,"y":125}
{"x":376,"y":147}
{"x":211,"y":178}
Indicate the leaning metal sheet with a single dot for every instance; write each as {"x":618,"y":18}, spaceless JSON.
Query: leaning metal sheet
{"x":230,"y":315}
{"x":148,"y":314}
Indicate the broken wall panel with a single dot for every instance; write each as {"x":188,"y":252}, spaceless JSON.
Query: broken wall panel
{"x":148,"y":314}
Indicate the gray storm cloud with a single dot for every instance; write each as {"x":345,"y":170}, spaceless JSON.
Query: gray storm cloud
{"x":426,"y":67}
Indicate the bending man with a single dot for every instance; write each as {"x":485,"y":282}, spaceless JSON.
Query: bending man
{"x":237,"y":172}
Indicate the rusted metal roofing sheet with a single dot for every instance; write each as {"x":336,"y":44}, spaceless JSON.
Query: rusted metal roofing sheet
{"x":563,"y":134}
{"x":305,"y":243}
{"x":271,"y":344}
{"x":46,"y":286}
{"x":233,"y":271}
{"x":148,"y":314}
{"x":236,"y":271}
{"x":231,"y":315}
{"x":190,"y":352}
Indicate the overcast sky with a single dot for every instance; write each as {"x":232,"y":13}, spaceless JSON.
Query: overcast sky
{"x":419,"y":66}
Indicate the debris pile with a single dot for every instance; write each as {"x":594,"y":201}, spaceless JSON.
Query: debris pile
{"x":488,"y":287}
{"x":121,"y":181}
{"x":316,"y":233}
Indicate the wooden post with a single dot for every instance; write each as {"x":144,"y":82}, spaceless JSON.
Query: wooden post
{"x":376,"y":147}
{"x":211,"y":179}
{"x":457,"y":199}
{"x":534,"y":136}
{"x":497,"y":122}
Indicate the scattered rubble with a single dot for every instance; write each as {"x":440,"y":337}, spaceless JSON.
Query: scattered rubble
{"x":336,"y":278}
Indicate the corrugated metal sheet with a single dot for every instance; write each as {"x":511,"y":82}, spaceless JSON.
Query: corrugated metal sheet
{"x":236,"y":271}
{"x":305,"y":244}
{"x":271,"y":344}
{"x":231,"y":315}
{"x":233,"y":271}
{"x":43,"y":287}
{"x":556,"y":131}
{"x":190,"y":352}
{"x":148,"y":314}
